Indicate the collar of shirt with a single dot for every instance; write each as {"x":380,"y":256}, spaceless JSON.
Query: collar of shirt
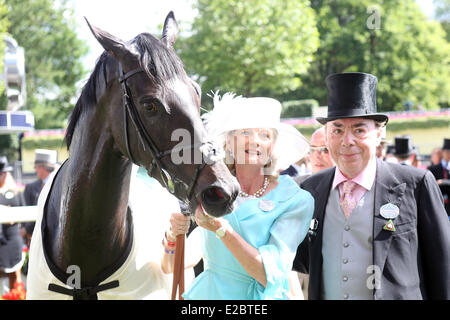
{"x":406,"y":162}
{"x":45,"y":180}
{"x":364,"y":180}
{"x":445,"y":164}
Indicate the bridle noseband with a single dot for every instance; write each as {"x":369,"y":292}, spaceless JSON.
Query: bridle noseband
{"x":157,"y":169}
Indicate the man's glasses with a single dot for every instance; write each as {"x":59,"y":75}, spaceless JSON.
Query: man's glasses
{"x":323,"y":150}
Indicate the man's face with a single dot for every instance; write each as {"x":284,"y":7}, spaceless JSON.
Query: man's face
{"x":40,"y":171}
{"x":352,"y":142}
{"x":319,"y":155}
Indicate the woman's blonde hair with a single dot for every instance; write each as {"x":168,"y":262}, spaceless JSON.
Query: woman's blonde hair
{"x":269,"y":168}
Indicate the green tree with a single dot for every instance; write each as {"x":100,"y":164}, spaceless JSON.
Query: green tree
{"x":46,"y":31}
{"x":390,"y":39}
{"x":4,"y":23}
{"x":442,"y":13}
{"x":250,"y":46}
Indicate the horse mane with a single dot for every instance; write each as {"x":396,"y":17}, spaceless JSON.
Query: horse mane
{"x":159,"y":62}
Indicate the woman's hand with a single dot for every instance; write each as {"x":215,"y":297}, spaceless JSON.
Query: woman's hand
{"x":179,"y":224}
{"x":207,"y":222}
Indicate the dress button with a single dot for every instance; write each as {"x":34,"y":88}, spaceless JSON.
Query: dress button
{"x":346,"y":228}
{"x":345,"y":261}
{"x":345,"y":278}
{"x":346,"y":245}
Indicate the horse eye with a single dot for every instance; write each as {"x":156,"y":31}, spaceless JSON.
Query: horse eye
{"x":149,"y":106}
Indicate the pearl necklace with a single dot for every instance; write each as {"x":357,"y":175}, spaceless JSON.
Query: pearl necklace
{"x":258,"y":193}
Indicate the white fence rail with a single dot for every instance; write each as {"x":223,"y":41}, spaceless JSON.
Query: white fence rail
{"x":18,"y":214}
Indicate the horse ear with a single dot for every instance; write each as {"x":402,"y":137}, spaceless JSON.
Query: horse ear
{"x":170,"y":30}
{"x":114,"y":46}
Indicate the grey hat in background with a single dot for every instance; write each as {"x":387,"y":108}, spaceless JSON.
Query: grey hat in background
{"x":47,"y":157}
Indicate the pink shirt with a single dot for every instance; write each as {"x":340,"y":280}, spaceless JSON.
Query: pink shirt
{"x":364,"y":181}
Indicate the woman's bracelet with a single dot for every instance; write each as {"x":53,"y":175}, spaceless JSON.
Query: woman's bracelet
{"x":169,"y":243}
{"x":169,"y":251}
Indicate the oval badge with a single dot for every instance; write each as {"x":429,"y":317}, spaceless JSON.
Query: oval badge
{"x":389,"y":211}
{"x":266,"y":205}
{"x":9,"y":195}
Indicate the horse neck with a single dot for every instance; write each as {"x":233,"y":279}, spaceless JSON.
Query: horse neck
{"x":95,"y":189}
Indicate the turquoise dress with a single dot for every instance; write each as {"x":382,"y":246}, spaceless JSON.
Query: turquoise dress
{"x":275,"y":224}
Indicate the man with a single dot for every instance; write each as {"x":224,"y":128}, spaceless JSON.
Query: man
{"x":390,"y":157}
{"x":404,"y":150}
{"x":379,"y":230}
{"x":319,"y":156}
{"x":45,"y":162}
{"x":441,"y":172}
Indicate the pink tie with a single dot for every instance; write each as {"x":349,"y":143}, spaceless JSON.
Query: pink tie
{"x":348,"y":201}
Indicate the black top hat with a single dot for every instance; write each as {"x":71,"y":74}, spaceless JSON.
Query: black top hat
{"x":352,"y":95}
{"x":403,"y":146}
{"x":446,"y":145}
{"x":4,"y":167}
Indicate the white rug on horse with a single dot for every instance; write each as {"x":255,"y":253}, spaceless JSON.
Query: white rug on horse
{"x":140,"y":277}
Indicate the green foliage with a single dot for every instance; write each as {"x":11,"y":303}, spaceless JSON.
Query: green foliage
{"x":46,"y":31}
{"x":9,"y":144}
{"x":43,"y":142}
{"x":250,"y":46}
{"x":442,"y":13}
{"x":4,"y":23}
{"x":298,"y":108}
{"x":407,"y":52}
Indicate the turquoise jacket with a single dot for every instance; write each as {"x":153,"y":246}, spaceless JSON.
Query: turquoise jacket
{"x":275,"y":224}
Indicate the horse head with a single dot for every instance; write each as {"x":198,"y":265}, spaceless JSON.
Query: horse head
{"x":158,"y":106}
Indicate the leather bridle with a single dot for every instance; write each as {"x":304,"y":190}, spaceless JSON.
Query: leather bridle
{"x":157,"y":168}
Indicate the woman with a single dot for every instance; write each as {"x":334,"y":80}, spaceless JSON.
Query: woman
{"x":248,"y":254}
{"x":11,"y":243}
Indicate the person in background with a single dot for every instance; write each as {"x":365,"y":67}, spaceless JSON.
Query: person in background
{"x":381,"y":148}
{"x":11,"y":243}
{"x":404,"y":150}
{"x":441,"y":172}
{"x":417,"y":159}
{"x":45,"y":161}
{"x":436,"y":156}
{"x":318,"y":152}
{"x":380,"y":230}
{"x":390,"y":157}
{"x":248,"y":253}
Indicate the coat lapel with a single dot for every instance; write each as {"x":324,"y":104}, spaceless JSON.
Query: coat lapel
{"x":320,"y":193}
{"x":387,"y":190}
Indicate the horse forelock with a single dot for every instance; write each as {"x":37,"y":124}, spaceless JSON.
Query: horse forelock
{"x":160,"y":62}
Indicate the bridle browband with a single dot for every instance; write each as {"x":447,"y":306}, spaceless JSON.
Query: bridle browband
{"x":156,"y":166}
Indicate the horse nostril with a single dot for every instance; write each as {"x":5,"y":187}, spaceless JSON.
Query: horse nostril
{"x":219,"y":193}
{"x":213,"y":194}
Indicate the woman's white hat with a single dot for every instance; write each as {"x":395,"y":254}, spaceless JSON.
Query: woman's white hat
{"x":236,"y":112}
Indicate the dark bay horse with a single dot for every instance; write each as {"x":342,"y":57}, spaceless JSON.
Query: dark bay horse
{"x":136,"y":97}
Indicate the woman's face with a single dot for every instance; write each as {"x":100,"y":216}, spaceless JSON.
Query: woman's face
{"x":251,"y":146}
